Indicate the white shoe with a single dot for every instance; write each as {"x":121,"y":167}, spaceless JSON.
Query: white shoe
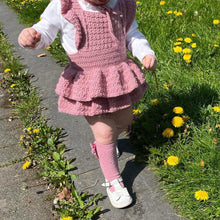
{"x":120,"y":198}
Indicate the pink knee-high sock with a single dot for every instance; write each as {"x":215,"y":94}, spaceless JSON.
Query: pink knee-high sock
{"x":108,"y":160}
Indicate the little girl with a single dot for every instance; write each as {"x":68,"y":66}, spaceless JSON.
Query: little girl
{"x":100,"y":82}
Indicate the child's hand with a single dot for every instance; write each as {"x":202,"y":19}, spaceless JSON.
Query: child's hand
{"x":149,"y":62}
{"x":29,"y":37}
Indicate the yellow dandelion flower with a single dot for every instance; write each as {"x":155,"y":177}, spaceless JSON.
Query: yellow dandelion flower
{"x":7,"y":70}
{"x":216,"y":21}
{"x":175,"y":12}
{"x":187,"y":56}
{"x":155,"y":101}
{"x":166,"y":86}
{"x":169,"y":12}
{"x":40,"y":18}
{"x":188,"y":61}
{"x":216,"y":108}
{"x":67,"y":218}
{"x":26,"y":165}
{"x":177,"y":121}
{"x":177,"y":49}
{"x":13,"y":102}
{"x":22,"y":3}
{"x":215,"y":140}
{"x":22,"y":137}
{"x":179,"y":39}
{"x":35,"y":131}
{"x":185,"y":131}
{"x":29,"y":128}
{"x":201,"y":195}
{"x":136,"y":111}
{"x":202,"y":163}
{"x":216,"y":45}
{"x":168,"y":133}
{"x":186,"y":50}
{"x":193,"y":45}
{"x":177,"y":43}
{"x":179,"y":13}
{"x":12,"y":85}
{"x":193,"y":35}
{"x":172,"y":160}
{"x":47,"y":48}
{"x":188,"y":40}
{"x":162,"y":2}
{"x":178,"y":110}
{"x":30,"y":148}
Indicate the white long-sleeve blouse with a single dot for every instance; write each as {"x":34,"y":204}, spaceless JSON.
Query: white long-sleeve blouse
{"x":52,"y":22}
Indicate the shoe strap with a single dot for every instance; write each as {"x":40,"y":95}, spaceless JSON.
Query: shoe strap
{"x":108,"y":184}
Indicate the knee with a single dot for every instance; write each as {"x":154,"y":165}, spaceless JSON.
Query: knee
{"x":105,"y":136}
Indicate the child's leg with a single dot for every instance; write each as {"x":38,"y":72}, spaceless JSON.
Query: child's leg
{"x":106,"y":129}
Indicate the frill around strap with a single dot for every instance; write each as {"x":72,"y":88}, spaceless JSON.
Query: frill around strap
{"x":95,"y":83}
{"x":101,"y":105}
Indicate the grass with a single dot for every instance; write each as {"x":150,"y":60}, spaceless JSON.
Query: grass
{"x":190,"y":83}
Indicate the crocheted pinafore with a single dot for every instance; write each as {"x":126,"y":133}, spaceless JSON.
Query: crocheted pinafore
{"x":100,"y":78}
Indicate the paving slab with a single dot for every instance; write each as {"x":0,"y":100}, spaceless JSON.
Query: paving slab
{"x":149,"y":203}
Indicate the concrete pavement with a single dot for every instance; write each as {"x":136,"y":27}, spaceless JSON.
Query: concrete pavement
{"x":149,"y":203}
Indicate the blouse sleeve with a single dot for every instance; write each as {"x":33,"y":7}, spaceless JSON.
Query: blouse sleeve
{"x":137,"y":43}
{"x":49,"y":25}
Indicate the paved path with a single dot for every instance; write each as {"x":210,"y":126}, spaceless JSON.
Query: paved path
{"x":149,"y":203}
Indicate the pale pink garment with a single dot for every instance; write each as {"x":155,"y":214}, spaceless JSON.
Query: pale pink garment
{"x":100,"y":77}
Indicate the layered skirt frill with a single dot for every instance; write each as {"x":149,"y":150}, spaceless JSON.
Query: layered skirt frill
{"x":95,"y":91}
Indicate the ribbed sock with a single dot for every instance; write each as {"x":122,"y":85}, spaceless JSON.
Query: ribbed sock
{"x":108,"y":161}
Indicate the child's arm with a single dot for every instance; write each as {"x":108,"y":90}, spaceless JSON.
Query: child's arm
{"x":140,"y":48}
{"x":44,"y":32}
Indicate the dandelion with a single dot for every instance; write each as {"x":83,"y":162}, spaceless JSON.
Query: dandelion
{"x":136,"y":111}
{"x":162,"y":2}
{"x":177,"y":121}
{"x":22,"y":137}
{"x":29,"y":129}
{"x":216,"y":108}
{"x":187,"y":56}
{"x":215,"y":140}
{"x":30,"y":148}
{"x":35,"y":131}
{"x":166,"y":86}
{"x":178,"y":110}
{"x":216,"y":45}
{"x":169,"y":12}
{"x":179,"y":39}
{"x":193,"y":35}
{"x":193,"y":45}
{"x":179,"y":13}
{"x":216,"y":21}
{"x":201,"y":195}
{"x":26,"y":165}
{"x":188,"y":40}
{"x":185,"y":131}
{"x":175,"y":12}
{"x":188,"y":61}
{"x":202,"y":163}
{"x":168,"y":133}
{"x":177,"y":49}
{"x":177,"y":43}
{"x":7,"y":70}
{"x":172,"y":160}
{"x":186,"y":50}
{"x":12,"y":85}
{"x":155,"y":101}
{"x":67,"y":218}
{"x":47,"y":48}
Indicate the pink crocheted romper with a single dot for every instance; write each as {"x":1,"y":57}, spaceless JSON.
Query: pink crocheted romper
{"x":100,"y":77}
